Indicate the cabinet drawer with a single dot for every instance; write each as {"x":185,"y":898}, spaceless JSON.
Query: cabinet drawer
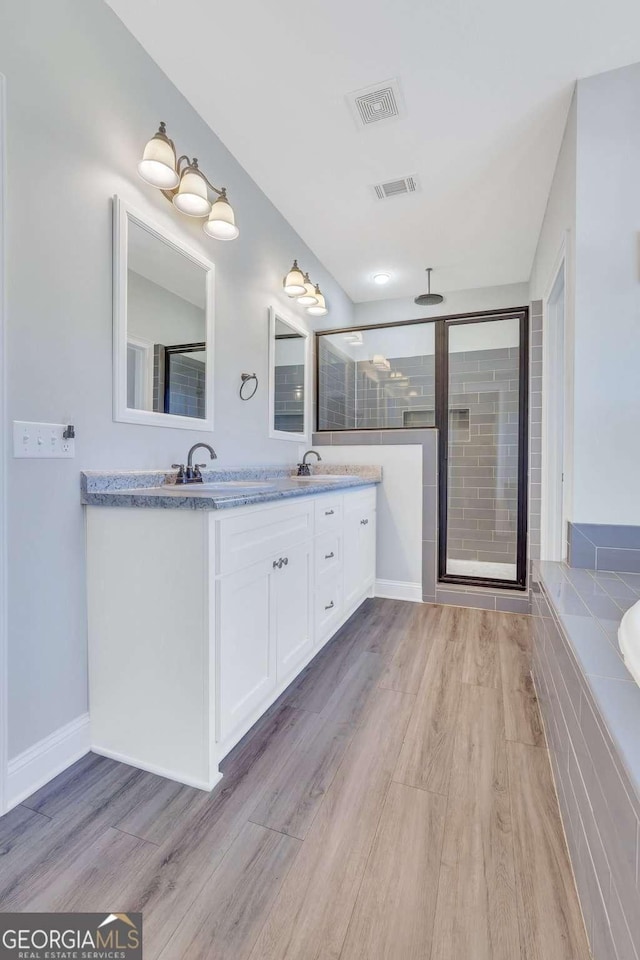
{"x":328,"y":555}
{"x":328,"y":607}
{"x":328,"y":512}
{"x":245,"y":539}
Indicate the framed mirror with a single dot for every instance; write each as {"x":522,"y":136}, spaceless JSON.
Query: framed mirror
{"x":289,"y":378}
{"x":162,"y":326}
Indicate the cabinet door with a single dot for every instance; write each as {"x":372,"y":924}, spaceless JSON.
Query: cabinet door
{"x":359,"y":550}
{"x":293,"y":602}
{"x":246,"y":668}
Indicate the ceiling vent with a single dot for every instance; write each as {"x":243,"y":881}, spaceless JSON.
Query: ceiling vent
{"x":382,"y":101}
{"x":396,"y":188}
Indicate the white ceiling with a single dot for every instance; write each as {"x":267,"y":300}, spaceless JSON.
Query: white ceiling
{"x":486,"y":88}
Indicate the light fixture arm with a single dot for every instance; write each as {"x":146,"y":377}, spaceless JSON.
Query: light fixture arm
{"x":185,"y":161}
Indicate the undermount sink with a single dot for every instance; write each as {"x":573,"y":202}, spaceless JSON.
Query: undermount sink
{"x":326,"y":477}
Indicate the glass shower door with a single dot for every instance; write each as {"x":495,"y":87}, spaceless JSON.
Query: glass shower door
{"x":483,"y":486}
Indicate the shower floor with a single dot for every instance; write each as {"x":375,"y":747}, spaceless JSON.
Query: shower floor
{"x":481,"y":568}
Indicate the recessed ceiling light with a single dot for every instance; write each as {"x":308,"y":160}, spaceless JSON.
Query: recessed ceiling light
{"x":381,"y":278}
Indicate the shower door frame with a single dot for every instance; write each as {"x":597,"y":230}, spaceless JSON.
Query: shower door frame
{"x":441,"y":373}
{"x":442,"y":423}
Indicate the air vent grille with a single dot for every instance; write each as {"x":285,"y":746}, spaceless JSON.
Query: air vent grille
{"x":382,"y":101}
{"x":396,"y":188}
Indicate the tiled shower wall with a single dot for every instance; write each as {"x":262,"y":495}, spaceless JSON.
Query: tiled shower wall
{"x":383,"y":404}
{"x":483,"y":433}
{"x":188,"y":384}
{"x":337,"y":394}
{"x":483,"y":464}
{"x":289,"y":398}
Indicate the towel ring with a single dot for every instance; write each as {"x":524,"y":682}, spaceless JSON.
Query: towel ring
{"x":247,"y":378}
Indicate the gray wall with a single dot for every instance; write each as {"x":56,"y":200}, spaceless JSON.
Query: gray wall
{"x":607,"y":310}
{"x":82,"y":99}
{"x":595,"y":203}
{"x":455,"y":301}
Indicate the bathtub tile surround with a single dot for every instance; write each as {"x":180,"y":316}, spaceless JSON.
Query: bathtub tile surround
{"x":591,"y":710}
{"x":603,"y":546}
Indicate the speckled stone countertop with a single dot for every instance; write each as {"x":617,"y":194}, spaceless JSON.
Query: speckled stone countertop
{"x":247,"y":485}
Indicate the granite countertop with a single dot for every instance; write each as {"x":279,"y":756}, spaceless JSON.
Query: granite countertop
{"x":247,"y":485}
{"x":588,"y":605}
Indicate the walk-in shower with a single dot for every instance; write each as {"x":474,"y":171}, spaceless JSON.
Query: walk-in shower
{"x":467,"y":377}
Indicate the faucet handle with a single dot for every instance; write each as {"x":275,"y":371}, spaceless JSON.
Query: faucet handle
{"x":180,"y":468}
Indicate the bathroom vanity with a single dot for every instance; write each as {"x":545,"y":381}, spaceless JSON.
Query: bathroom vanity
{"x":204,"y":605}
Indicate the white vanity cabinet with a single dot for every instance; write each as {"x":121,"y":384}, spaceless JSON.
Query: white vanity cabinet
{"x":264,"y":630}
{"x":198,"y":619}
{"x":359,"y":545}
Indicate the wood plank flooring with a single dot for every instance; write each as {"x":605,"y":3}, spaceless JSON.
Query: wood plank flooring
{"x":396,"y":803}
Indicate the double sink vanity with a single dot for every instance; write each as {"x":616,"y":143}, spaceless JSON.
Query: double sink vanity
{"x":206,"y":599}
{"x":208,"y":590}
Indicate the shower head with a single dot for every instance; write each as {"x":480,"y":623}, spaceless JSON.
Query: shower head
{"x":429,"y":299}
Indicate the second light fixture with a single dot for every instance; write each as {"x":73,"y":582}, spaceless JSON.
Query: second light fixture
{"x":300,"y":287}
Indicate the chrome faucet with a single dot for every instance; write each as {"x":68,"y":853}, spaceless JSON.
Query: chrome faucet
{"x":191,"y":473}
{"x":303,"y":467}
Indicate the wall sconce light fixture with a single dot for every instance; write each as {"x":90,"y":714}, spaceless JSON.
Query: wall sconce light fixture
{"x":298,"y":286}
{"x":184,"y":184}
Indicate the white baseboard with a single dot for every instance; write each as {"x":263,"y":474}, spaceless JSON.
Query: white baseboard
{"x":43,"y":761}
{"x":154,"y":768}
{"x":399,"y":590}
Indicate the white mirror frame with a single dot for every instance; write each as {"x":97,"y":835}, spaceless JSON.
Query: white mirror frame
{"x":274,"y":315}
{"x":123,"y":213}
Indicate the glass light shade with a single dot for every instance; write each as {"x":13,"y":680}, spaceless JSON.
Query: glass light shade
{"x":308,"y":298}
{"x":192,"y":197}
{"x":221,"y":224}
{"x":318,"y":309}
{"x":381,"y":278}
{"x":158,"y":164}
{"x":294,"y":282}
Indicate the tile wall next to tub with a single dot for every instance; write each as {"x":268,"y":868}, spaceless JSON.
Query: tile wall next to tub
{"x":601,"y":546}
{"x":591,"y":711}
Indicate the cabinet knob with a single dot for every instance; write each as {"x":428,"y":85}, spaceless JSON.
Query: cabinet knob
{"x":329,"y":513}
{"x":332,"y":604}
{"x":276,"y":562}
{"x":364,"y":522}
{"x":285,"y":561}
{"x":329,"y":556}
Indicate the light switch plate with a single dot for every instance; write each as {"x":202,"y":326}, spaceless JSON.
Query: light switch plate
{"x":40,"y":441}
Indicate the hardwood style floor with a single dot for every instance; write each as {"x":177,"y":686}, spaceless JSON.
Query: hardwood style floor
{"x":395,"y":803}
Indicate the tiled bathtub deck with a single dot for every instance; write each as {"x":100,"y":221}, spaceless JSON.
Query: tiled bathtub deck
{"x":591,"y":710}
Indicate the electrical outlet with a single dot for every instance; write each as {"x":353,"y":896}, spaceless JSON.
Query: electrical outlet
{"x":42,"y":441}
